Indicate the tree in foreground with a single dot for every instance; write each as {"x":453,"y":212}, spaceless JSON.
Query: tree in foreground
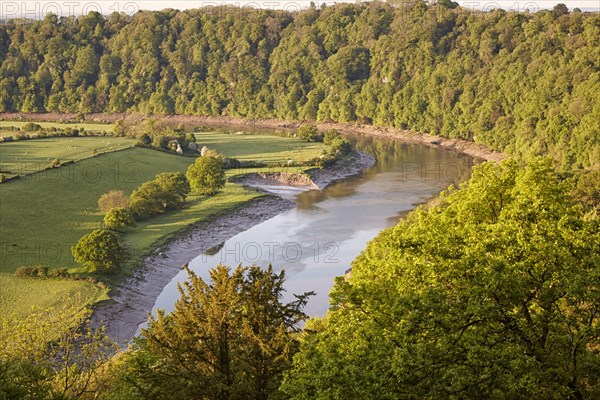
{"x":118,"y":219}
{"x":206,"y":175}
{"x":100,"y":251}
{"x":52,"y":354}
{"x":492,"y":294}
{"x":228,"y":339}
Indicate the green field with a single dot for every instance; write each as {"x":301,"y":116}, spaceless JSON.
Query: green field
{"x":27,"y":156}
{"x":43,"y":214}
{"x":20,"y":295}
{"x":260,"y":147}
{"x":155,"y":231}
{"x":47,"y":125}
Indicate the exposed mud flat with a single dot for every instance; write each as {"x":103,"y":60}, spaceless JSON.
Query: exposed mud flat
{"x":313,"y":179}
{"x":131,"y":302}
{"x":278,"y":179}
{"x":353,"y":164}
{"x":133,"y":299}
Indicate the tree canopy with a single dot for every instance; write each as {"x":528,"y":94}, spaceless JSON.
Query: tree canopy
{"x":206,"y":175}
{"x":523,"y":83}
{"x":491,"y":294}
{"x":229,"y":338}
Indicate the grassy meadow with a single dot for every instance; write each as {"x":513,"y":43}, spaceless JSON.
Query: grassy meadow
{"x":27,"y":156}
{"x":260,"y":147}
{"x":19,"y":295}
{"x":45,"y":213}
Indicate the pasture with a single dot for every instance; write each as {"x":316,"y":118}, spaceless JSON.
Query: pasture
{"x":260,"y":147}
{"x":24,"y":157}
{"x":45,"y":213}
{"x":19,"y":295}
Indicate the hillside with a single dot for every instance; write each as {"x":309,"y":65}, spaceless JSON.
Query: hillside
{"x":526,"y":84}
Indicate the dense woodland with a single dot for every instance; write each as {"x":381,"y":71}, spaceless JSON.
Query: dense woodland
{"x":523,"y":83}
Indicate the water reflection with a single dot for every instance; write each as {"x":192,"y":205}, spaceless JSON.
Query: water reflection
{"x":318,"y":240}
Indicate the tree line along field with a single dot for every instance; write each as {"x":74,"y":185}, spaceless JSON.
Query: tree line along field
{"x":91,"y":127}
{"x":27,"y":156}
{"x":43,"y":214}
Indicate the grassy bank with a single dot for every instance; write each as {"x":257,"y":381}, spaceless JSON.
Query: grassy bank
{"x":19,"y":295}
{"x":45,"y":213}
{"x":156,"y":231}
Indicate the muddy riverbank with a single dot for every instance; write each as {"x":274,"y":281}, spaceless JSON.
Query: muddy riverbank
{"x":131,"y":301}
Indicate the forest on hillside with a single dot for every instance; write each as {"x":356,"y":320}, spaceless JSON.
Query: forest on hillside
{"x":523,"y":83}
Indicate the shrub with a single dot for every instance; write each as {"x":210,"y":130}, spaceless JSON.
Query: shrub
{"x":119,"y":128}
{"x":39,"y":271}
{"x":167,"y":191}
{"x":229,"y":163}
{"x":330,"y":136}
{"x":145,"y":139}
{"x":160,"y":142}
{"x":31,"y":127}
{"x":310,"y":133}
{"x":59,"y":273}
{"x":118,"y":219}
{"x":100,"y":251}
{"x":175,"y":187}
{"x":113,"y":199}
{"x":146,"y":200}
{"x":341,"y":145}
{"x":172,"y":145}
{"x":206,"y":175}
{"x":190,"y":138}
{"x":23,"y":271}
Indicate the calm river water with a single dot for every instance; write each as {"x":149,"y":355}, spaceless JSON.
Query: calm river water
{"x":317,"y":240}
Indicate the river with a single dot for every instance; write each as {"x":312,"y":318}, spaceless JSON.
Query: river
{"x":318,"y":239}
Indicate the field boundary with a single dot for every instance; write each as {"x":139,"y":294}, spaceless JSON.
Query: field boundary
{"x":472,"y":149}
{"x":68,"y":162}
